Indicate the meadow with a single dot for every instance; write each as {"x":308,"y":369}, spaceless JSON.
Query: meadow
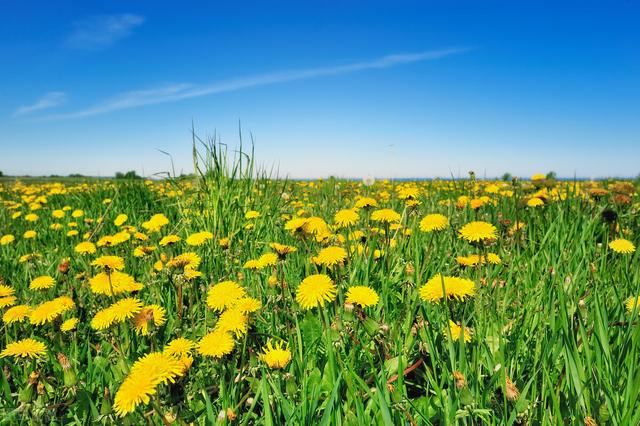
{"x":233,"y":297}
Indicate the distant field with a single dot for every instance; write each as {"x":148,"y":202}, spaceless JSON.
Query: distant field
{"x":238,"y":299}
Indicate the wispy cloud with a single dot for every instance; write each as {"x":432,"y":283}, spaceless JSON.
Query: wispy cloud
{"x":101,"y":31}
{"x":49,"y":100}
{"x":176,"y":92}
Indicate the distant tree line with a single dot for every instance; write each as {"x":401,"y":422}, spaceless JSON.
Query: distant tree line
{"x":131,"y":174}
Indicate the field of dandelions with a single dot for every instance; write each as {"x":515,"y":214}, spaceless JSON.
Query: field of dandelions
{"x":230,"y":297}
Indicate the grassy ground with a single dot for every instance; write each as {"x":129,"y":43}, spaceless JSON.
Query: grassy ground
{"x":552,"y":341}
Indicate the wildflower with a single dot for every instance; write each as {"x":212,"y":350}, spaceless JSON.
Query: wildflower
{"x":142,"y":251}
{"x":315,"y":290}
{"x":454,"y":288}
{"x":6,"y":239}
{"x":25,"y":348}
{"x":49,"y":311}
{"x":252,"y":214}
{"x":120,"y":219}
{"x":114,"y":283}
{"x":535,"y":202}
{"x":362,"y":295}
{"x":16,"y":314}
{"x":633,"y":303}
{"x":42,"y":283}
{"x":169,"y":240}
{"x":330,"y":256}
{"x":149,"y":313}
{"x":478,"y":231}
{"x":224,"y":295}
{"x":109,"y":263}
{"x":217,"y":344}
{"x":5,"y":290}
{"x":457,"y":332}
{"x":179,"y":347}
{"x":145,"y":376}
{"x":7,"y":301}
{"x":385,"y":216}
{"x":622,"y":246}
{"x":69,"y":324}
{"x":295,"y":224}
{"x":266,"y":260}
{"x":434,"y":222}
{"x":199,"y":238}
{"x":29,"y":234}
{"x":282,"y":249}
{"x":156,"y":223}
{"x":275,"y":356}
{"x":346,"y":217}
{"x":247,"y":305}
{"x":185,"y":260}
{"x":233,"y":320}
{"x":366,"y":202}
{"x":120,"y":311}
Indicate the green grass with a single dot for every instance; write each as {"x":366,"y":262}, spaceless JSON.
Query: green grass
{"x":551,"y":317}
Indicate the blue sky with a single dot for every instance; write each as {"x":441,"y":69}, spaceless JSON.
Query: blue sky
{"x":350,"y":88}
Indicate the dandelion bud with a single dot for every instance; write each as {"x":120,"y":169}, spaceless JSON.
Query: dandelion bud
{"x":272,"y":281}
{"x":461,"y":381}
{"x":511,"y":391}
{"x":231,"y":415}
{"x":68,"y":374}
{"x":348,"y":307}
{"x":588,"y":421}
{"x":410,"y":269}
{"x":63,"y":267}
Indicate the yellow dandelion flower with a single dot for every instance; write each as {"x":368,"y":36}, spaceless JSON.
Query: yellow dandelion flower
{"x":120,"y":311}
{"x":315,"y":290}
{"x":25,"y":348}
{"x":366,"y":202}
{"x":42,"y":282}
{"x":199,"y":238}
{"x":346,"y":217}
{"x":233,"y":320}
{"x":622,"y":246}
{"x":247,"y":305}
{"x":16,"y":314}
{"x":145,"y":376}
{"x":252,"y":214}
{"x":110,"y":263}
{"x":277,"y":356}
{"x":295,"y":225}
{"x":6,"y":239}
{"x":454,"y":288}
{"x":386,"y":216}
{"x":478,"y":231}
{"x":535,"y":202}
{"x":49,"y":311}
{"x":7,"y":301}
{"x":185,"y":260}
{"x":224,"y":295}
{"x":362,"y":295}
{"x":267,"y":259}
{"x":179,"y":347}
{"x":156,"y":223}
{"x":282,"y":249}
{"x":169,"y":240}
{"x":5,"y":290}
{"x":150,"y":313}
{"x":457,"y":331}
{"x":633,"y":303}
{"x":29,"y":234}
{"x":330,"y":256}
{"x":217,"y":344}
{"x":434,"y":222}
{"x":120,"y":219}
{"x":114,"y":283}
{"x":69,"y":325}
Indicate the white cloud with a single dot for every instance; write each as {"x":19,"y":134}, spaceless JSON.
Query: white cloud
{"x":176,"y":92}
{"x":101,"y":31}
{"x":49,"y":100}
